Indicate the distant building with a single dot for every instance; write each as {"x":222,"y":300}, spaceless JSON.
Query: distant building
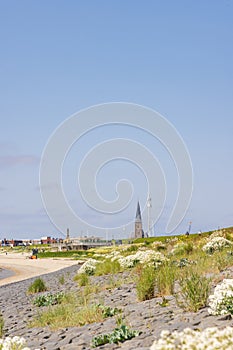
{"x":138,"y":232}
{"x":49,"y":240}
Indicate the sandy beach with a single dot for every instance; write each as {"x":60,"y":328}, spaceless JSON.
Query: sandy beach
{"x":24,"y":268}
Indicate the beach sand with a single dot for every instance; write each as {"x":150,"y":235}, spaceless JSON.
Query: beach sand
{"x":24,"y":268}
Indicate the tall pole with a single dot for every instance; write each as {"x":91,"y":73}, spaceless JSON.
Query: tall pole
{"x":149,"y":206}
{"x":190,"y":224}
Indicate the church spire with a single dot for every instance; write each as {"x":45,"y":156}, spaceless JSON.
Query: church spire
{"x":138,"y":232}
{"x":138,"y":213}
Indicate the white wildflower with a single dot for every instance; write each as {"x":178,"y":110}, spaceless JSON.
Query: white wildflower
{"x":209,"y":339}
{"x":15,"y":343}
{"x":220,"y":303}
{"x":216,"y":244}
{"x":142,"y":257}
{"x":88,"y":267}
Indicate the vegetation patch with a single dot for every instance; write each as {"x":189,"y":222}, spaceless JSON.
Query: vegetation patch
{"x":107,"y":267}
{"x":48,"y":299}
{"x":73,"y":310}
{"x":37,"y":286}
{"x":165,"y":279}
{"x":194,"y":291}
{"x":145,"y":284}
{"x":119,"y":335}
{"x":61,"y":279}
{"x":1,"y":326}
{"x":75,"y":254}
{"x":210,"y":338}
{"x":83,"y":279}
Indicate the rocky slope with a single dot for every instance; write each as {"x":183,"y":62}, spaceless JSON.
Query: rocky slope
{"x":149,"y":317}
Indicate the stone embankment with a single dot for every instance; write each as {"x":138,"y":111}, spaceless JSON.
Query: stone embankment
{"x":149,"y":317}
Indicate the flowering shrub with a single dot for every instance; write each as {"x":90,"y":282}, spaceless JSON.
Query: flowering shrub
{"x":221,"y":302}
{"x":216,"y":244}
{"x":218,"y":233}
{"x":114,"y":255}
{"x":128,"y":261}
{"x":15,"y":343}
{"x":209,"y":339}
{"x":155,"y":244}
{"x":142,"y":257}
{"x":171,"y":240}
{"x":88,"y":267}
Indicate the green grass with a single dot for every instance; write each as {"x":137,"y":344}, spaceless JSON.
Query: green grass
{"x":1,"y":326}
{"x":114,"y":282}
{"x":191,"y":237}
{"x":222,"y":259}
{"x":75,"y":254}
{"x":61,"y":279}
{"x":165,"y":279}
{"x":67,"y":315}
{"x":83,"y":279}
{"x":145,"y":283}
{"x":107,"y":267}
{"x":74,"y":310}
{"x":194,"y":291}
{"x":37,"y":286}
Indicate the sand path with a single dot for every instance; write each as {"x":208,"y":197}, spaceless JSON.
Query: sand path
{"x":24,"y":268}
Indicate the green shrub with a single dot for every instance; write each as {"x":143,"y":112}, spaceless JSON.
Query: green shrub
{"x":62,"y":279}
{"x":222,"y":260}
{"x":108,"y":311}
{"x":132,"y":248}
{"x":188,"y":248}
{"x":107,"y":267}
{"x":119,"y":335}
{"x":83,"y":279}
{"x":161,"y":248}
{"x":165,"y":279}
{"x":48,"y":299}
{"x":183,"y":248}
{"x":194,"y":291}
{"x":37,"y":286}
{"x":145,"y":284}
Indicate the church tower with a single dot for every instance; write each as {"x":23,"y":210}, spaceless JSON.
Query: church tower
{"x":138,"y":232}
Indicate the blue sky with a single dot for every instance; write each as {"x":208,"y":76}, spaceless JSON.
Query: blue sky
{"x":58,"y":57}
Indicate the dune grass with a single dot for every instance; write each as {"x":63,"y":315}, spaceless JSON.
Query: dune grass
{"x":107,"y":267}
{"x":37,"y":286}
{"x":74,"y":310}
{"x":1,"y":326}
{"x":194,"y":292}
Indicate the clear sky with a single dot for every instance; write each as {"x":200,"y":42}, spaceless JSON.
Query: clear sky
{"x":58,"y":57}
